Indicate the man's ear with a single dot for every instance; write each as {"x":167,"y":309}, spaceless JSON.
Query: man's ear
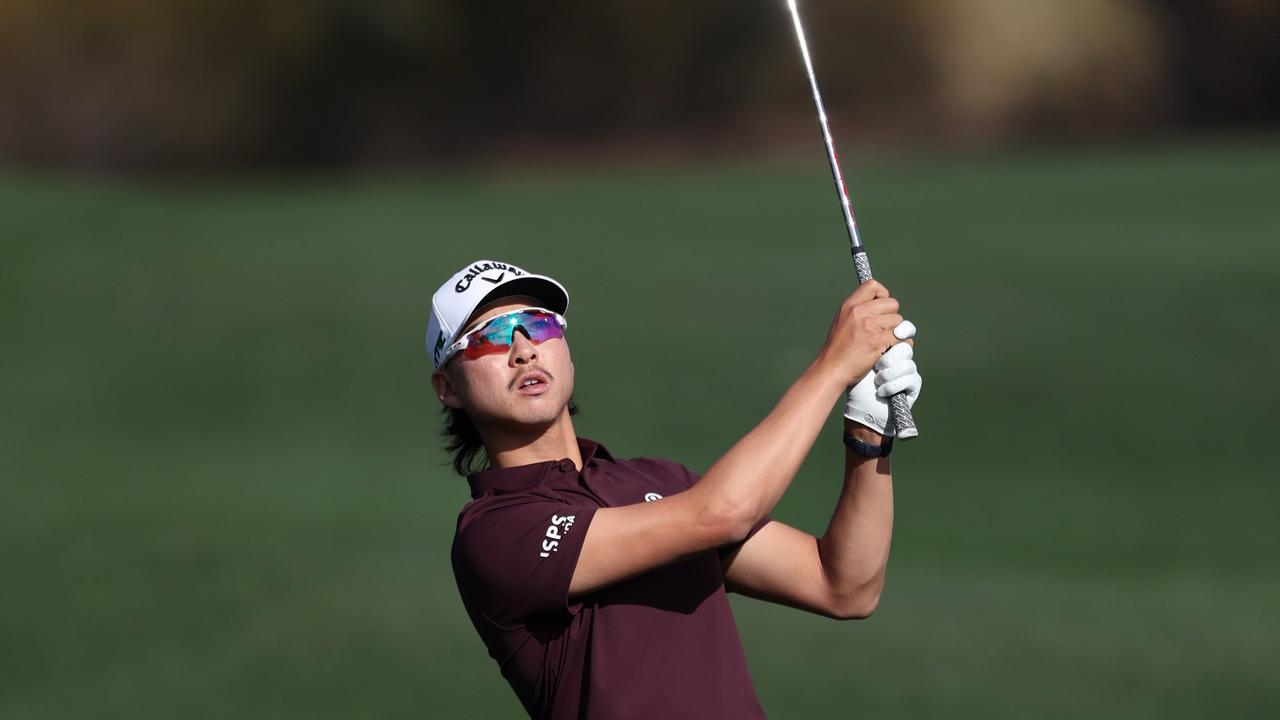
{"x":444,"y":390}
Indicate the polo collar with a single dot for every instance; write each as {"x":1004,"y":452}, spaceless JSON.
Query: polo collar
{"x":525,"y":477}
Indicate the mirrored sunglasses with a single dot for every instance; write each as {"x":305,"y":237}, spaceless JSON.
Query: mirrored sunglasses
{"x":496,"y":336}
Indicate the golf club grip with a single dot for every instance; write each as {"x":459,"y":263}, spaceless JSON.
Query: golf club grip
{"x":904,"y":426}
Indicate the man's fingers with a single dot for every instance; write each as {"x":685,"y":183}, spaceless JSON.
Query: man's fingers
{"x":898,"y":353}
{"x":893,"y":387}
{"x":899,"y":369}
{"x":896,"y":371}
{"x":880,"y":306}
{"x":906,"y":329}
{"x":869,"y":290}
{"x":888,"y":321}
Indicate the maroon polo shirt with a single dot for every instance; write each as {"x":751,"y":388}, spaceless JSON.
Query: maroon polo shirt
{"x":659,"y":645}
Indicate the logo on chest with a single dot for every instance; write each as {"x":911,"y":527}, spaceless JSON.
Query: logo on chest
{"x":556,"y":531}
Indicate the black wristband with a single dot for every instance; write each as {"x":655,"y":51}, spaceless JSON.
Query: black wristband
{"x":867,"y":449}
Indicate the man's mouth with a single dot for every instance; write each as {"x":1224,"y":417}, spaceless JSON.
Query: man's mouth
{"x":534,"y":383}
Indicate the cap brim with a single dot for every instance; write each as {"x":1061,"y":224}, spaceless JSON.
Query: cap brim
{"x":546,"y":291}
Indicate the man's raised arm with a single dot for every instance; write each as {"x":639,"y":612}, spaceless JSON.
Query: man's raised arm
{"x":744,"y":484}
{"x":841,"y":574}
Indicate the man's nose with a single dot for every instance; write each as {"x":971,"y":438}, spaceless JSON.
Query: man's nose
{"x":523,"y":351}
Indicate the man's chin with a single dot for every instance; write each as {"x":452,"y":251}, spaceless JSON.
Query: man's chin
{"x":536,"y":419}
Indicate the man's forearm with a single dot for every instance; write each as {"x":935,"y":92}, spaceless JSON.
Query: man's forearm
{"x":753,"y":474}
{"x":855,"y":547}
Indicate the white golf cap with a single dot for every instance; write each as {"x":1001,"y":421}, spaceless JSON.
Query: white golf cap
{"x":477,"y":284}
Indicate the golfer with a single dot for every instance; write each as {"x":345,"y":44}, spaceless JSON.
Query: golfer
{"x":599,"y":583}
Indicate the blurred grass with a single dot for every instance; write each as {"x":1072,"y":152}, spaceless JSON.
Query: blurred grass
{"x":224,"y":496}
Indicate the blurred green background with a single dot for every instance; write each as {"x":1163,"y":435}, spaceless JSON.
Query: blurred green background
{"x":223,"y":492}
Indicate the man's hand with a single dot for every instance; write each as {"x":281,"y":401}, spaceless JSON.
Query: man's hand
{"x":861,"y":332}
{"x":894,"y":372}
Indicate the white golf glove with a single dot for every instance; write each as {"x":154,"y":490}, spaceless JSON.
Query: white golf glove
{"x":894,"y":372}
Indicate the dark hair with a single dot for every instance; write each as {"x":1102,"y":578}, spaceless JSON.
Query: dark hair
{"x":462,"y":440}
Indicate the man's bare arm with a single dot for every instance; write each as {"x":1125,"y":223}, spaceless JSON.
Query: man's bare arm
{"x":841,"y":574}
{"x":744,"y":484}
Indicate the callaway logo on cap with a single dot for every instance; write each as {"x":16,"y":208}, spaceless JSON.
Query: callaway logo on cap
{"x":477,"y":284}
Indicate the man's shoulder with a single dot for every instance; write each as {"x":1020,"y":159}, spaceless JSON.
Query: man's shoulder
{"x":653,"y":464}
{"x":488,"y":504}
{"x":492,"y":522}
{"x":668,"y":473}
{"x":594,"y":450}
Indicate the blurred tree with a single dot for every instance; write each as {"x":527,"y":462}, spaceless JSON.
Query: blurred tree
{"x":1225,"y":55}
{"x":181,"y":83}
{"x":1015,"y":67}
{"x":104,"y":82}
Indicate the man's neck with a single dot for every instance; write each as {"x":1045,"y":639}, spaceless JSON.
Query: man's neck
{"x":511,"y":448}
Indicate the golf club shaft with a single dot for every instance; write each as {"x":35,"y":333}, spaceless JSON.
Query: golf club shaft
{"x":900,"y":419}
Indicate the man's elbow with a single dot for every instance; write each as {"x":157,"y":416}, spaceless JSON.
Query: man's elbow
{"x":727,"y":522}
{"x":856,"y":605}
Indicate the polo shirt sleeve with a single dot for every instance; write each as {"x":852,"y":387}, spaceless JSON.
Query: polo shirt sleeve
{"x":516,"y":560}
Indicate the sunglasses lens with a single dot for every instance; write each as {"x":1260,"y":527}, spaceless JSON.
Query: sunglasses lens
{"x":480,"y":345}
{"x":542,"y":326}
{"x":495,"y":336}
